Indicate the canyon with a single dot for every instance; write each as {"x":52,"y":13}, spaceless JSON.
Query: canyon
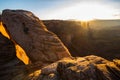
{"x":51,"y":54}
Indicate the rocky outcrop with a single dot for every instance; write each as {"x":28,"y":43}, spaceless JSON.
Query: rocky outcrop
{"x":77,"y":68}
{"x":88,"y":38}
{"x":30,"y":33}
{"x":9,"y":63}
{"x":82,"y":68}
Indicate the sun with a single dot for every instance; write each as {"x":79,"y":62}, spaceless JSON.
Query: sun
{"x":84,"y":12}
{"x":90,"y":11}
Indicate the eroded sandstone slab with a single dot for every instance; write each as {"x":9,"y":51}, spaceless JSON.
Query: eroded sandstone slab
{"x":82,"y":68}
{"x":30,"y":33}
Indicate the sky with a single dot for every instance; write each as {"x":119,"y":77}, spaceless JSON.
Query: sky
{"x":67,"y":9}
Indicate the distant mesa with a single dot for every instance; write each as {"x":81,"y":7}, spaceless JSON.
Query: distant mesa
{"x":99,"y":37}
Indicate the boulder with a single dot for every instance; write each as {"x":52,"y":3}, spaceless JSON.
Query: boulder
{"x":30,"y":33}
{"x":82,"y":68}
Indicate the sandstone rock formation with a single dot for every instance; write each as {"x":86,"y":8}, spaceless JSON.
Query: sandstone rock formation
{"x":9,"y":63}
{"x":30,"y":33}
{"x":82,"y":68}
{"x":7,"y":50}
{"x":43,"y":48}
{"x":82,"y":39}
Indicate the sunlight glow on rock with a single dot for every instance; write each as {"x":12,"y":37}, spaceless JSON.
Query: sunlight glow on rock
{"x":19,"y":51}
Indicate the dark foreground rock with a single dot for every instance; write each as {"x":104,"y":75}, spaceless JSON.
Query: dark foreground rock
{"x":30,"y":33}
{"x":82,"y":68}
{"x":10,"y":65}
{"x":7,"y":50}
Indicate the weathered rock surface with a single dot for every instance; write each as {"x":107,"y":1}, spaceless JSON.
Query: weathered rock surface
{"x":88,"y":38}
{"x":7,"y":50}
{"x":31,"y":34}
{"x":82,"y":68}
{"x":9,"y":63}
{"x":72,"y":34}
{"x":77,"y":68}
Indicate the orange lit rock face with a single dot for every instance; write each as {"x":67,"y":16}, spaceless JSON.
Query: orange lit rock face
{"x":29,"y":32}
{"x":20,"y":53}
{"x":3,"y":31}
